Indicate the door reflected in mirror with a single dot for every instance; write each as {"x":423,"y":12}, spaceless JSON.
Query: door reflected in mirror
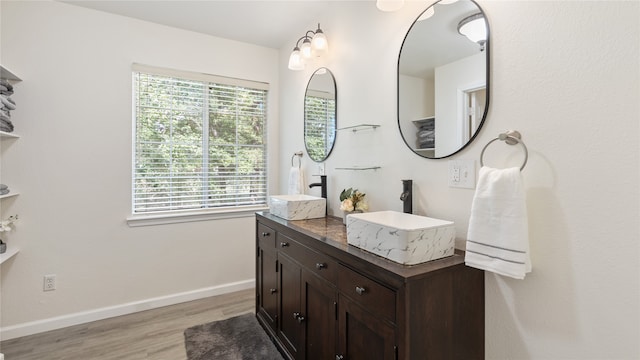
{"x":320,"y":115}
{"x":443,"y":78}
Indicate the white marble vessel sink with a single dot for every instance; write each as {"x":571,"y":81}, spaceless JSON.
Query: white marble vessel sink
{"x":297,"y":207}
{"x":404,"y":238}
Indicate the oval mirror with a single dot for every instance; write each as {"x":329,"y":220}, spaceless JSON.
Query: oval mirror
{"x":443,"y":78}
{"x":320,"y":115}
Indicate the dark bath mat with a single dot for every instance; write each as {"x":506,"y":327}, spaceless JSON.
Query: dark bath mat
{"x":237,"y":338}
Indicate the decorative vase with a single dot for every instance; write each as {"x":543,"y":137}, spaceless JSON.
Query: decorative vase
{"x":344,"y":217}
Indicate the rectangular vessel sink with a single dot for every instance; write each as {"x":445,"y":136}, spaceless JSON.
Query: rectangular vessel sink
{"x":297,"y":207}
{"x":404,"y":238}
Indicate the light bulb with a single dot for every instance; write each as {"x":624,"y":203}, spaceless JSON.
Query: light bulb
{"x":319,"y":44}
{"x":389,"y":5}
{"x":295,"y":60}
{"x":305,"y":49}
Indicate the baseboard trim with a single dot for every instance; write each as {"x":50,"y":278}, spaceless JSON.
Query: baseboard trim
{"x":58,"y":322}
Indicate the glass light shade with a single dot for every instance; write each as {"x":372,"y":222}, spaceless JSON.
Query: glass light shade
{"x":305,"y":49}
{"x":295,"y":60}
{"x":474,"y":28}
{"x":319,"y":44}
{"x":446,"y":2}
{"x":389,"y":5}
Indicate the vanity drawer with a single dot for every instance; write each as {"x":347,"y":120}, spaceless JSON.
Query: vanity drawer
{"x":266,"y":237}
{"x":378,"y":299}
{"x":318,"y":263}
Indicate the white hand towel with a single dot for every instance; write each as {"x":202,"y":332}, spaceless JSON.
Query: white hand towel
{"x":498,"y":236}
{"x":296,"y":181}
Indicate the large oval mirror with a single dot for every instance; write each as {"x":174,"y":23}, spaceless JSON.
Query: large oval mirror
{"x":443,"y":78}
{"x":320,"y":115}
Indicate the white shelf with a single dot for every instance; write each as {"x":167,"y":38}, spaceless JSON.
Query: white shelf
{"x":11,"y":194}
{"x":6,"y":74}
{"x":11,"y":251}
{"x":356,"y":128}
{"x":359,"y":168}
{"x":6,"y":135}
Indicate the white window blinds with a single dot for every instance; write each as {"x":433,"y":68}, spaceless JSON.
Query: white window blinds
{"x":198,"y":143}
{"x":319,"y":128}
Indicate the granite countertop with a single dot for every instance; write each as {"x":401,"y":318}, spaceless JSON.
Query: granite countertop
{"x":331,"y":231}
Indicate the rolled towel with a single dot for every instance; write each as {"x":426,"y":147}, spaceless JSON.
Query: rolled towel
{"x":6,"y":84}
{"x":7,"y":102}
{"x":498,"y":236}
{"x":3,"y":187}
{"x":4,"y":192}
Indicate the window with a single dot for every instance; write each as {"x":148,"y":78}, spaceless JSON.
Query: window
{"x":319,"y":129}
{"x":199,"y":142}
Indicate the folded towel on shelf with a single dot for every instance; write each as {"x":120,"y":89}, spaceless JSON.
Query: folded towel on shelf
{"x":296,"y":181}
{"x":5,"y":83}
{"x":7,"y":102}
{"x":4,"y":192}
{"x":3,"y":187}
{"x":5,"y":125}
{"x":498,"y":236}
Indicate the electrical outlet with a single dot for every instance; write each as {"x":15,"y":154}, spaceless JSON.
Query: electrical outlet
{"x":49,"y":282}
{"x":462,"y":174}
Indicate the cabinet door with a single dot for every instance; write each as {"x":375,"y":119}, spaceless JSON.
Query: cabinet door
{"x":268,"y":286}
{"x":291,"y":324}
{"x":320,"y":311}
{"x":362,"y":335}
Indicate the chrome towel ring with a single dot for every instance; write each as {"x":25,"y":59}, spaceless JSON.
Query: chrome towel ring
{"x":299,"y":155}
{"x":511,"y":137}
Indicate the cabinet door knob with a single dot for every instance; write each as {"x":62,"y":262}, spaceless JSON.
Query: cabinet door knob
{"x":295,"y":315}
{"x":300,"y":319}
{"x":339,"y":357}
{"x":265,"y":234}
{"x":273,"y":291}
{"x":321,"y":266}
{"x":284,"y":244}
{"x":360,"y":290}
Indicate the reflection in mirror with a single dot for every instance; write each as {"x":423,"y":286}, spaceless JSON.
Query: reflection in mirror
{"x":320,"y":115}
{"x":443,"y":78}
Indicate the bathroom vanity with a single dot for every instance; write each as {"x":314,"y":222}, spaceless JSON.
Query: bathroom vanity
{"x":319,"y":298}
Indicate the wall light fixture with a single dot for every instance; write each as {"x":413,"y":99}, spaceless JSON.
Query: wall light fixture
{"x":474,"y":27}
{"x":314,"y":44}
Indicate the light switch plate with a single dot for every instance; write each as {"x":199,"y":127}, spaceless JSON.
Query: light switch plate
{"x":462,"y":174}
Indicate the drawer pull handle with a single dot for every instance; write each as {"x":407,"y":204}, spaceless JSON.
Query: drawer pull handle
{"x":265,"y":234}
{"x":360,"y":290}
{"x":273,"y":291}
{"x":321,"y":266}
{"x":284,"y":244}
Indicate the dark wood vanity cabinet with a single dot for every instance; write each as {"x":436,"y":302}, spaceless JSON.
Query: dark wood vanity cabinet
{"x":319,"y":298}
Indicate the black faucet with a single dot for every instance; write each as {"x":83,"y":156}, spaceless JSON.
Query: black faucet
{"x":407,"y":196}
{"x":323,"y":188}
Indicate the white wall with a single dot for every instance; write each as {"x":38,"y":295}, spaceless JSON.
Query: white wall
{"x":73,"y":168}
{"x":417,"y":103}
{"x":566,"y":75}
{"x":451,"y":80}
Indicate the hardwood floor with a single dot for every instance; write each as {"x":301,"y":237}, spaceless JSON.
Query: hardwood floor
{"x":153,"y":334}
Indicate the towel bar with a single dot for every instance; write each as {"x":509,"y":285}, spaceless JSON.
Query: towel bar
{"x":299,"y":155}
{"x":511,"y":137}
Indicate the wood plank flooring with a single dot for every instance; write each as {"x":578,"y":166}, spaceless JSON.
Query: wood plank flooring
{"x":153,"y":334}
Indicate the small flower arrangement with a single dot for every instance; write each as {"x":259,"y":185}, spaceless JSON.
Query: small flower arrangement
{"x":353,"y":200}
{"x":6,"y":225}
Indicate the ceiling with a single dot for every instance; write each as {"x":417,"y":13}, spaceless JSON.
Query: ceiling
{"x":261,"y":22}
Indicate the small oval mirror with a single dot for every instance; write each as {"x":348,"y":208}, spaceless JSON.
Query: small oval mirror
{"x":320,"y":115}
{"x":443,"y":78}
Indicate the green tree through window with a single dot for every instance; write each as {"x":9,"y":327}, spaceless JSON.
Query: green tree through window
{"x":197,"y":144}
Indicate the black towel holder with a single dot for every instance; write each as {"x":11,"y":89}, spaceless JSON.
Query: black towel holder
{"x":511,"y":137}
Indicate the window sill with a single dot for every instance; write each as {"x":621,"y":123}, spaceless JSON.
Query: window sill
{"x":204,"y":215}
